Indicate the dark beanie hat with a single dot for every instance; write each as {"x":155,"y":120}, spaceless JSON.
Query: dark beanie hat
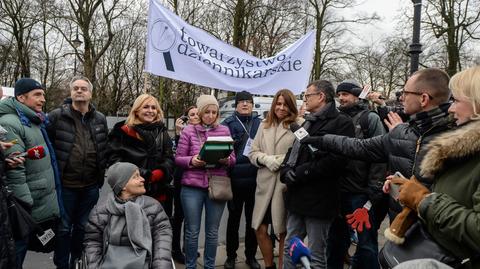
{"x":118,"y":175}
{"x":243,"y":95}
{"x":25,"y":85}
{"x":351,"y":86}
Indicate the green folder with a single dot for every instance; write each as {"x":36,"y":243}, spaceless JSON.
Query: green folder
{"x":212,"y":151}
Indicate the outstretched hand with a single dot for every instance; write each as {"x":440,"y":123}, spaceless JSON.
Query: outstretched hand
{"x":358,"y":219}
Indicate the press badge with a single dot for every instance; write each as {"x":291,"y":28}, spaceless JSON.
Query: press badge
{"x":46,"y":236}
{"x":248,"y":147}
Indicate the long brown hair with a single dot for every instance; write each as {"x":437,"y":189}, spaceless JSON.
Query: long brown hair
{"x":291,"y":103}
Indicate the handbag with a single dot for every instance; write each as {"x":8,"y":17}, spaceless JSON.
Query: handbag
{"x":21,"y":221}
{"x":43,"y":240}
{"x":219,"y":188}
{"x":418,"y":244}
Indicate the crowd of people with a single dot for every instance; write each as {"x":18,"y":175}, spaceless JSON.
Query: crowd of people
{"x":326,"y":173}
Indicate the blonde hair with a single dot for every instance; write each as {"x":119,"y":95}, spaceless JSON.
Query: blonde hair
{"x":132,"y":118}
{"x":202,"y":111}
{"x":467,"y":84}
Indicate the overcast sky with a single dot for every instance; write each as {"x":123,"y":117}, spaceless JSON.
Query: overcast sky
{"x":387,"y":10}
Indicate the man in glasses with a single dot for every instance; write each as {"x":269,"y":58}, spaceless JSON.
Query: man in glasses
{"x":425,"y":99}
{"x":312,"y":177}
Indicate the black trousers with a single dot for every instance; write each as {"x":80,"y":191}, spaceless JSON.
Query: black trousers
{"x":243,"y":195}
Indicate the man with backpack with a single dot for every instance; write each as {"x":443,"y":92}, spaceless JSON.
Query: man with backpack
{"x":359,"y":187}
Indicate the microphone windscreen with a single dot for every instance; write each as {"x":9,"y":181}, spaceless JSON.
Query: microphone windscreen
{"x":294,"y":127}
{"x":297,"y":250}
{"x":35,"y":153}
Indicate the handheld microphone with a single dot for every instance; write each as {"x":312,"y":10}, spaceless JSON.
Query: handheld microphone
{"x":299,"y":252}
{"x":300,"y":133}
{"x":35,"y":153}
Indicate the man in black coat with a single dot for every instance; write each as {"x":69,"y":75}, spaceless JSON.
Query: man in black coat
{"x":312,"y":176}
{"x":79,"y":135}
{"x":425,"y":98}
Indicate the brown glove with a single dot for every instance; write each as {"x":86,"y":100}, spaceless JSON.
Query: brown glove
{"x":411,"y":191}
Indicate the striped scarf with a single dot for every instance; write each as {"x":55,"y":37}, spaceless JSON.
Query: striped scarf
{"x":425,"y":120}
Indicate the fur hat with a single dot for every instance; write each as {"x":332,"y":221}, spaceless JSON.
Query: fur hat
{"x":243,"y":95}
{"x":205,"y":100}
{"x":351,"y":86}
{"x":118,"y":175}
{"x":25,"y":85}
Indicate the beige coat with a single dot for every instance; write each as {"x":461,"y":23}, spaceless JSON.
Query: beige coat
{"x":275,"y":140}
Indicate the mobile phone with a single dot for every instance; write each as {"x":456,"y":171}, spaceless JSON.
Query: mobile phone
{"x":184,"y":119}
{"x":394,"y":188}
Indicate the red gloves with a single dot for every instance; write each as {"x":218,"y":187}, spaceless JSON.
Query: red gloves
{"x":360,"y":217}
{"x":157,"y":175}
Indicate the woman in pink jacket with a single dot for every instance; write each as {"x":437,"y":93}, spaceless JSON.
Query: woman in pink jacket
{"x":194,"y":194}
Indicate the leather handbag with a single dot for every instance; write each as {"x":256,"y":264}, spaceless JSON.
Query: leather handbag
{"x":418,"y":244}
{"x":219,"y":188}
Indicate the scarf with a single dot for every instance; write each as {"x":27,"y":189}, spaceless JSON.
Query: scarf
{"x":129,"y":216}
{"x":310,"y":119}
{"x":426,"y":120}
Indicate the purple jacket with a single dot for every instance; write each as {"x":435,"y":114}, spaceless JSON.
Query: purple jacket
{"x":189,"y":146}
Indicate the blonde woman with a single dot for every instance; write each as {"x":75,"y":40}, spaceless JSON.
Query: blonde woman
{"x":451,"y":209}
{"x":270,"y":145}
{"x":194,"y":193}
{"x":142,"y":139}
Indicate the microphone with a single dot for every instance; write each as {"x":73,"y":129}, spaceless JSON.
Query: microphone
{"x":299,"y":252}
{"x":35,"y":153}
{"x":300,"y":133}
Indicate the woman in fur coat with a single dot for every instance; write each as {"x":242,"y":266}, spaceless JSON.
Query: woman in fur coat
{"x":451,"y":210}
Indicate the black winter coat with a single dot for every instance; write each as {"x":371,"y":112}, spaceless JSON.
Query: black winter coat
{"x":398,"y":148}
{"x":7,"y":244}
{"x":317,"y":191}
{"x":61,"y":131}
{"x":152,"y":151}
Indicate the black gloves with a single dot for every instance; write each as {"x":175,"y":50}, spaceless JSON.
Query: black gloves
{"x":315,"y":141}
{"x":289,"y":178}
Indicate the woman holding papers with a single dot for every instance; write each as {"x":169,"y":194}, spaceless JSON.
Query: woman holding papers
{"x":194,"y":194}
{"x":271,"y":143}
{"x":142,"y":139}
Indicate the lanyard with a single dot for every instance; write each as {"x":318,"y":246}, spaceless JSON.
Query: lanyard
{"x":244,"y":128}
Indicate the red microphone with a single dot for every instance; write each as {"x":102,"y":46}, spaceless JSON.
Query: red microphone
{"x":34,"y":153}
{"x":157,"y":175}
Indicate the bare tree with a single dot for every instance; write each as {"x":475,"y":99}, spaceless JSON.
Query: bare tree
{"x":455,"y":23}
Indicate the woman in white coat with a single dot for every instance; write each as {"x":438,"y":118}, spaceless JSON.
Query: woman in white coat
{"x":269,"y":147}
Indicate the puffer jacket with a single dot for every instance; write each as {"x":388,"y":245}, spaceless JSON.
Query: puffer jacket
{"x":243,"y":170}
{"x":61,"y":131}
{"x":149,"y":147}
{"x":95,"y":243}
{"x":452,"y":212}
{"x":189,"y":145}
{"x":402,"y":148}
{"x":34,"y":181}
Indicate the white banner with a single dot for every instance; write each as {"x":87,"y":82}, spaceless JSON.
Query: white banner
{"x":180,"y":51}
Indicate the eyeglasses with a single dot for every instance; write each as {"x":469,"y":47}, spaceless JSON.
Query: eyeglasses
{"x":245,"y":102}
{"x":404,"y":92}
{"x":307,"y":96}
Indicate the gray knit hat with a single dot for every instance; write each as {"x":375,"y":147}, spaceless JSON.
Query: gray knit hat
{"x":118,"y":175}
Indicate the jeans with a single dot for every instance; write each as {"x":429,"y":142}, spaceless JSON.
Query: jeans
{"x":317,"y":231}
{"x":78,"y":204}
{"x":193,"y":201}
{"x":21,"y":247}
{"x":243,"y":194}
{"x":366,"y":254}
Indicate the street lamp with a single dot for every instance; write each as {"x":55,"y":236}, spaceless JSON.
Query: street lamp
{"x":76,"y":44}
{"x":415,"y":46}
